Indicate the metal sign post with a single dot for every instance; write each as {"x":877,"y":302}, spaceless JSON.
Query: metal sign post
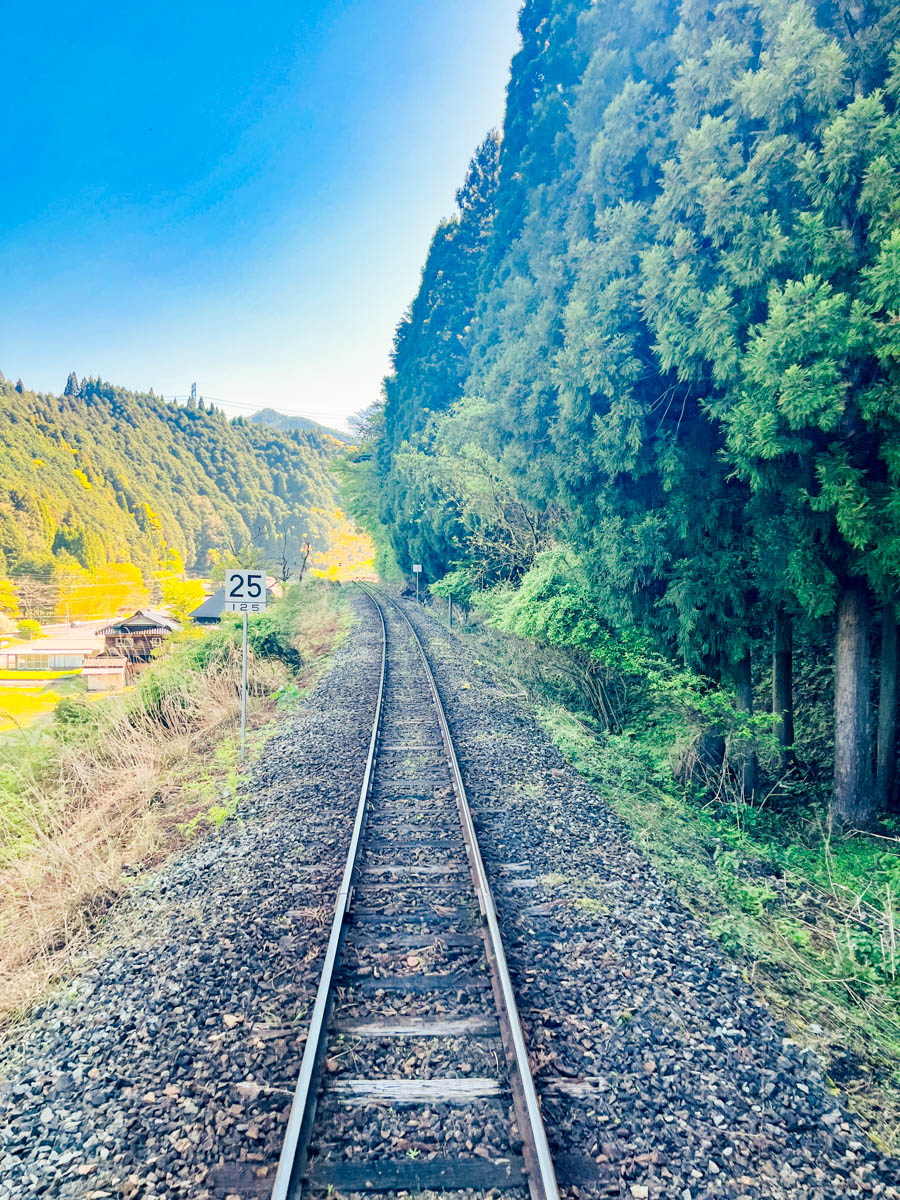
{"x":245,"y":592}
{"x":449,"y":612}
{"x":244,"y":690}
{"x":417,"y":571}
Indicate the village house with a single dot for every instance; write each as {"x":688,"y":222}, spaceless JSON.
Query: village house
{"x":136,"y":637}
{"x":49,"y":654}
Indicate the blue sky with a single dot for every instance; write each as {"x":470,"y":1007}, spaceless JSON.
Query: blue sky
{"x":238,"y":193}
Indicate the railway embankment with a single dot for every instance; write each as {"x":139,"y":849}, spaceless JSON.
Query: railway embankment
{"x":167,"y":1067}
{"x":99,"y":795}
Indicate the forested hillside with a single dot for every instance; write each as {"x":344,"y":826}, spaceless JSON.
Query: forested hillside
{"x":101,"y":475}
{"x":279,"y":420}
{"x":651,"y":379}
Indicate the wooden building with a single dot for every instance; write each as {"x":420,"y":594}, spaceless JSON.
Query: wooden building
{"x":136,"y":637}
{"x":105,"y":672}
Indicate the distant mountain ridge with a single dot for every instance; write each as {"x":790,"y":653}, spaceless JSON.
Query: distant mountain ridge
{"x":279,"y":420}
{"x":102,"y":474}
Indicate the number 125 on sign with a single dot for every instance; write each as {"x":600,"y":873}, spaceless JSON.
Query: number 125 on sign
{"x":245,"y":591}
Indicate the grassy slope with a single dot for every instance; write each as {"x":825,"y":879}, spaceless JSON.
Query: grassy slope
{"x":85,"y":809}
{"x":811,"y":917}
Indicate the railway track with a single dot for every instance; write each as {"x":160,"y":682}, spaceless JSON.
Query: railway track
{"x":415,"y":1073}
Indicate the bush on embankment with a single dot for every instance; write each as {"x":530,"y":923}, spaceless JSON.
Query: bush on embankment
{"x":111,"y":786}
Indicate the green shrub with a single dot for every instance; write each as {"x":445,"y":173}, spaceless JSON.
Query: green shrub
{"x":28,"y":629}
{"x":270,"y":636}
{"x":72,"y":713}
{"x":463,"y":584}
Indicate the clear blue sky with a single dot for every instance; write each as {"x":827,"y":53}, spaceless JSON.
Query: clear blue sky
{"x":237,"y":192}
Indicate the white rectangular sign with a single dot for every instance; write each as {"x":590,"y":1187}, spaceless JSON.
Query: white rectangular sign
{"x":417,"y":568}
{"x":245,"y":591}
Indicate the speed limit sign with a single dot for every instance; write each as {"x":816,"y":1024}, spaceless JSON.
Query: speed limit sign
{"x":245,"y":591}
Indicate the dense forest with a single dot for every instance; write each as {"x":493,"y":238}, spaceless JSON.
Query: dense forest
{"x":646,"y":403}
{"x":103,"y":484}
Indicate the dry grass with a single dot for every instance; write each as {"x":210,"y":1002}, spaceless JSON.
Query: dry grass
{"x":96,"y":815}
{"x":322,"y":625}
{"x":89,"y":812}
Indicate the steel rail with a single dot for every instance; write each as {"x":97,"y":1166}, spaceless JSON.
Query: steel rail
{"x":292,"y":1162}
{"x":536,"y":1150}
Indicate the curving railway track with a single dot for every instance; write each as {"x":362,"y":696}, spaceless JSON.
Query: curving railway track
{"x":415,"y":1074}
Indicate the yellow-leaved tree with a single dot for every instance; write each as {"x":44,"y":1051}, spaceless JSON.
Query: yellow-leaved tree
{"x":119,"y":585}
{"x":9,"y":601}
{"x":82,"y":596}
{"x":76,"y":598}
{"x":182,"y":596}
{"x":348,"y":554}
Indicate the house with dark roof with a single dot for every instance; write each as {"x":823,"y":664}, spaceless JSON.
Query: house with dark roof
{"x":210,"y":611}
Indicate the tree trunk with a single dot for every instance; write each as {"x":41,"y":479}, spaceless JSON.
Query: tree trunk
{"x":887,"y":711}
{"x":783,"y":686}
{"x":746,"y":761}
{"x":853,"y":802}
{"x":710,"y":751}
{"x":706,"y":759}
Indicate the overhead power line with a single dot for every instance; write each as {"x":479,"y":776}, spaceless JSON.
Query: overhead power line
{"x":255,"y":408}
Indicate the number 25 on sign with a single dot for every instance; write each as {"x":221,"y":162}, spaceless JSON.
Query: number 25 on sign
{"x":245,"y":591}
